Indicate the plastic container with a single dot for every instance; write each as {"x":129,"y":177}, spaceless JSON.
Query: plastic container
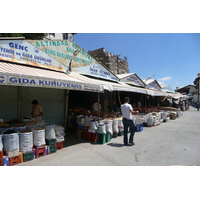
{"x":50,"y":131}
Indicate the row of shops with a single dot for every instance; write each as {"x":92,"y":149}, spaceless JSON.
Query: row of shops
{"x":66,"y":86}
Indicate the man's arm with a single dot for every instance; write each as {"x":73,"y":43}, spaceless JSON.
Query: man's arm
{"x":134,"y":112}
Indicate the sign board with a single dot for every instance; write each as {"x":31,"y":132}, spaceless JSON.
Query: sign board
{"x":62,"y":51}
{"x":153,"y":85}
{"x":23,"y":52}
{"x":96,"y":70}
{"x":17,"y":80}
{"x":133,"y":79}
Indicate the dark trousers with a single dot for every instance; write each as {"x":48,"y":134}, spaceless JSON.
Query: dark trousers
{"x":128,"y":123}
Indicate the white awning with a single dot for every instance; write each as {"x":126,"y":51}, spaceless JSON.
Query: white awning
{"x":111,"y":86}
{"x":21,"y":75}
{"x":153,"y":92}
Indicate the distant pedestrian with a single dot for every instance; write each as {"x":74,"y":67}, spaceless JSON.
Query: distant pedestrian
{"x":127,"y":111}
{"x":198,"y":104}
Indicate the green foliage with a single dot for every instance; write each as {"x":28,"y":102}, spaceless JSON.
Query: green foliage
{"x":28,"y":36}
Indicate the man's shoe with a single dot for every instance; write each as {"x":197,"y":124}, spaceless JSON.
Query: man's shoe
{"x":131,"y":143}
{"x":127,"y":145}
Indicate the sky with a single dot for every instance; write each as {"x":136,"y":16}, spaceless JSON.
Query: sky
{"x":170,"y":58}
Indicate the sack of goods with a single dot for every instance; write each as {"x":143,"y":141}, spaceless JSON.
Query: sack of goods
{"x":109,"y":124}
{"x":120,"y":123}
{"x":115,"y":126}
{"x":93,"y":125}
{"x":25,"y":141}
{"x":1,"y":143}
{"x":50,"y":131}
{"x":87,"y":121}
{"x":60,"y":133}
{"x":101,"y":128}
{"x":5,"y":128}
{"x":18,"y":127}
{"x":38,"y":136}
{"x":11,"y":142}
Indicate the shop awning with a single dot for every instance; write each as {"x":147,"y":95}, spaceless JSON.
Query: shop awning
{"x":154,"y":92}
{"x":111,"y":86}
{"x":21,"y":75}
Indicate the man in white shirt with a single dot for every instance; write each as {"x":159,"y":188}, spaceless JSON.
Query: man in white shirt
{"x":127,"y":111}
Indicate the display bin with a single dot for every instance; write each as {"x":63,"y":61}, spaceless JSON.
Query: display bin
{"x":108,"y":136}
{"x":101,"y":138}
{"x":59,"y":145}
{"x":120,"y":133}
{"x":139,"y":128}
{"x":91,"y":136}
{"x":1,"y":154}
{"x":11,"y":154}
{"x":1,"y":162}
{"x":28,"y":156}
{"x":115,"y":135}
{"x":51,"y":142}
{"x":52,"y":149}
{"x":21,"y":157}
{"x":14,"y":160}
{"x":41,"y":151}
{"x":5,"y":161}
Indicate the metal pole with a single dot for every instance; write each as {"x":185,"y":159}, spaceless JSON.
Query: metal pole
{"x":66,"y":108}
{"x":98,"y":107}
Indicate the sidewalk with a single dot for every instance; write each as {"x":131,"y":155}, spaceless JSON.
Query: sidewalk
{"x":173,"y":143}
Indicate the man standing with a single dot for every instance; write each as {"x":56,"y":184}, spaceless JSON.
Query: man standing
{"x":37,"y":111}
{"x":127,"y":111}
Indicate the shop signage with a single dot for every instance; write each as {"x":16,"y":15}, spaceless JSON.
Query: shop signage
{"x":42,"y":82}
{"x":21,"y":51}
{"x":62,"y":50}
{"x":96,"y":70}
{"x":153,"y":85}
{"x":133,"y":79}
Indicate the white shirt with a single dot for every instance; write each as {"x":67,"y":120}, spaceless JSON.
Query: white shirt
{"x":126,"y":113}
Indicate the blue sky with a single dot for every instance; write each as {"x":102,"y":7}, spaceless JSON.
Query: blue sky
{"x":171,"y":58}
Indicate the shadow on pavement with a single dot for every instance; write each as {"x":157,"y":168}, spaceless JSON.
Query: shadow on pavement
{"x":71,"y":140}
{"x":114,"y":144}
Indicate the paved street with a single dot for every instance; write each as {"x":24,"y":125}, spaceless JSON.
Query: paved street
{"x":176,"y":142}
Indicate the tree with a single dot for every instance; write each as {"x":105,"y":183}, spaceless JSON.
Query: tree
{"x":28,"y":36}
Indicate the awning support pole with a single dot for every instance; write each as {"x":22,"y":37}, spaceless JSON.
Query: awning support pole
{"x":66,"y":108}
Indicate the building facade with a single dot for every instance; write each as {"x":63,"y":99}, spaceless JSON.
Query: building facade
{"x":115,"y":64}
